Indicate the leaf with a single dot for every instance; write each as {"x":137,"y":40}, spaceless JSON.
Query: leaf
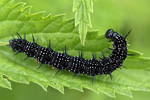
{"x":82,"y":9}
{"x":17,"y":18}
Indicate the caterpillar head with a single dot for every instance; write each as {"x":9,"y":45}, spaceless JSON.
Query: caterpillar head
{"x":15,"y":44}
{"x":109,"y":33}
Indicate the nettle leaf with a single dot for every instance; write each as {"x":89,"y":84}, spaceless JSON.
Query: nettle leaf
{"x":17,"y":18}
{"x":82,"y":9}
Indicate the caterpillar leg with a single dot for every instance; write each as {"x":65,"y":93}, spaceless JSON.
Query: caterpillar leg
{"x":62,"y":68}
{"x":26,"y":58}
{"x":78,"y":74}
{"x":44,"y":64}
{"x":110,"y":76}
{"x":124,"y":66}
{"x":74,"y":75}
{"x":57,"y":72}
{"x":39,"y":66}
{"x":93,"y":78}
{"x":16,"y":53}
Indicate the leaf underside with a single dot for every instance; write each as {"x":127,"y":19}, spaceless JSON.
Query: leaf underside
{"x":17,"y":18}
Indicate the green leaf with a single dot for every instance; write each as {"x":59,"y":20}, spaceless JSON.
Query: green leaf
{"x":82,"y":9}
{"x":17,"y":18}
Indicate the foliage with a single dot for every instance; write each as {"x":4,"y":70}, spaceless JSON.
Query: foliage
{"x":17,"y":18}
{"x":82,"y":9}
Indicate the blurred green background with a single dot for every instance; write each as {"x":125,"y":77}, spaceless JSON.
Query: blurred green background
{"x":121,"y":15}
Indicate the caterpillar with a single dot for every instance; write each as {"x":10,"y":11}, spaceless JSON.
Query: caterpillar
{"x":77,"y":65}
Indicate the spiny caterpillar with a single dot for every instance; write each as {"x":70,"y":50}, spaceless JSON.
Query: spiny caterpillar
{"x":77,"y":65}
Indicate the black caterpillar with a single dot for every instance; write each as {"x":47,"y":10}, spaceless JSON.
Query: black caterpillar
{"x":77,"y":65}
